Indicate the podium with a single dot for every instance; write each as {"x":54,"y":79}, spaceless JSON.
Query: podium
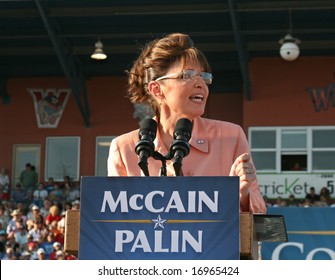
{"x":248,"y":237}
{"x":164,"y":218}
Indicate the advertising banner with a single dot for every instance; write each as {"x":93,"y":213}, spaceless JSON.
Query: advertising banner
{"x":298,"y":184}
{"x":311,"y":235}
{"x":143,"y":218}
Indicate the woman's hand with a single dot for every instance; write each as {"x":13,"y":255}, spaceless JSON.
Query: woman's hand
{"x":245,"y":169}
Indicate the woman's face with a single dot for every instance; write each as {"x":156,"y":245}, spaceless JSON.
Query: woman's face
{"x":183,"y":98}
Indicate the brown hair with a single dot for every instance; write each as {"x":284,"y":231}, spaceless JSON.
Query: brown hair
{"x":154,"y":62}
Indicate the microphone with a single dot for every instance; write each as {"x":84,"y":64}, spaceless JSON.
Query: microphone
{"x":180,"y":147}
{"x":145,"y":147}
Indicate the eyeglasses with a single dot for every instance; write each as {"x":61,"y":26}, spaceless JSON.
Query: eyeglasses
{"x":189,"y":74}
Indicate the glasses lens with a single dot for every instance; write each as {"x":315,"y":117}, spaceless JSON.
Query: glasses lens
{"x":191,"y":74}
{"x":207,"y":77}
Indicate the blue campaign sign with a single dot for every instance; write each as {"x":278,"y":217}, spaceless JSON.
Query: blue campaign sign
{"x":311,"y":234}
{"x":143,"y":218}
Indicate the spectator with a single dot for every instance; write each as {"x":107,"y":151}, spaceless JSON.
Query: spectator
{"x":292,"y":202}
{"x":60,"y":255}
{"x":54,"y":215}
{"x":47,"y":245}
{"x":11,"y":243}
{"x":53,"y":228}
{"x":49,"y":186}
{"x":39,"y":195}
{"x":67,"y":180}
{"x":67,"y":206}
{"x":9,"y":206}
{"x":4,"y":184}
{"x":2,"y":251}
{"x":59,"y":235}
{"x":32,"y":249}
{"x":267,"y":202}
{"x":61,"y":223}
{"x":34,"y":215}
{"x":21,"y":238}
{"x":69,"y":257}
{"x":20,"y":194}
{"x":10,"y":255}
{"x":45,"y":210}
{"x":3,"y":240}
{"x":14,"y":222}
{"x":325,"y":193}
{"x":21,"y":207}
{"x":76,"y":205}
{"x":312,"y":196}
{"x":71,"y":192}
{"x":322,"y":202}
{"x":37,"y":232}
{"x":3,"y":236}
{"x":297,"y":167}
{"x":57,"y":246}
{"x":56,"y":195}
{"x":25,"y":255}
{"x":4,"y":218}
{"x":307,"y":203}
{"x":29,"y":178}
{"x":279,"y":202}
{"x":40,"y":254}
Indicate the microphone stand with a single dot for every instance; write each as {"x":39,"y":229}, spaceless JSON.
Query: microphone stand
{"x":163,"y":172}
{"x":177,"y":164}
{"x":159,"y":156}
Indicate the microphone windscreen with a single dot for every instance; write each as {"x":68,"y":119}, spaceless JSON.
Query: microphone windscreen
{"x":148,"y":126}
{"x":183,"y":127}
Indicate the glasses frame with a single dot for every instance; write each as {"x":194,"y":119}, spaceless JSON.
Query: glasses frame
{"x":189,"y":74}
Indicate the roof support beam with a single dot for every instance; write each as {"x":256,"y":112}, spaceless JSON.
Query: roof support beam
{"x":72,"y":70}
{"x":241,"y":49}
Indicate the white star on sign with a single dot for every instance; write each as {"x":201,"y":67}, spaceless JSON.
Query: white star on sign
{"x":159,"y":222}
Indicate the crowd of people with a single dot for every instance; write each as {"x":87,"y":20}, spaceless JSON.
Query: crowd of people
{"x":32,"y":216}
{"x":32,"y":219}
{"x":312,"y":199}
